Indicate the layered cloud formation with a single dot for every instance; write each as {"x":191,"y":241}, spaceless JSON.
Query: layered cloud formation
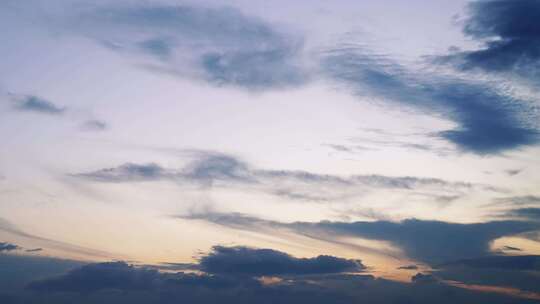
{"x":212,"y":169}
{"x":119,"y":282}
{"x":431,"y":242}
{"x":289,"y":87}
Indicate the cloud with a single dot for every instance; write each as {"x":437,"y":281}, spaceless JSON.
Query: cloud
{"x":530,"y":214}
{"x":268,"y":262}
{"x":34,"y":250}
{"x":521,"y":272}
{"x":525,"y":200}
{"x":7,"y":227}
{"x":513,"y":172}
{"x":220,"y":45}
{"x":19,"y":269}
{"x":431,"y":242}
{"x":129,"y":172}
{"x":6,"y":247}
{"x":92,"y":277}
{"x":521,"y":262}
{"x":38,"y":105}
{"x":94,"y":125}
{"x":421,"y":278}
{"x":510,"y":248}
{"x":510,"y":32}
{"x":211,"y":169}
{"x":408,"y":267}
{"x":488,"y":121}
{"x":118,"y":282}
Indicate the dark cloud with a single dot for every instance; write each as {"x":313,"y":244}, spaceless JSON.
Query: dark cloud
{"x":34,"y":250}
{"x":521,"y":262}
{"x":489,"y":122}
{"x":530,"y":214}
{"x":93,"y":277}
{"x":510,"y":248}
{"x":220,"y":45}
{"x":511,"y":34}
{"x":426,"y":241}
{"x":408,"y":267}
{"x":431,"y":242}
{"x":521,"y":272}
{"x":119,"y":282}
{"x":421,"y":278}
{"x":94,"y":125}
{"x":268,"y":262}
{"x":38,"y":105}
{"x":19,"y":269}
{"x":221,"y":170}
{"x":6,"y":247}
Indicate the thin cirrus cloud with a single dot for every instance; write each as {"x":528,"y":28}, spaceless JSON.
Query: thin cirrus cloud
{"x":94,"y":125}
{"x":431,"y":242}
{"x":525,"y":200}
{"x":211,"y":169}
{"x":11,"y":229}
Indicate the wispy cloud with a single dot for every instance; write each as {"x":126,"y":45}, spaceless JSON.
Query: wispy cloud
{"x":220,"y":45}
{"x":488,"y":121}
{"x":8,"y":227}
{"x":94,"y":125}
{"x":37,"y":105}
{"x":221,"y":170}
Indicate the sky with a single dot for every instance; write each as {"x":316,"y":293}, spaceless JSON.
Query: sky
{"x":269,"y":151}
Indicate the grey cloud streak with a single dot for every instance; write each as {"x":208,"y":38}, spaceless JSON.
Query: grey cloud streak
{"x":210,"y":169}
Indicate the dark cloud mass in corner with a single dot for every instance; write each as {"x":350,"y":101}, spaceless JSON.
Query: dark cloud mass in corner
{"x":511,"y":32}
{"x":38,"y":105}
{"x":261,"y":262}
